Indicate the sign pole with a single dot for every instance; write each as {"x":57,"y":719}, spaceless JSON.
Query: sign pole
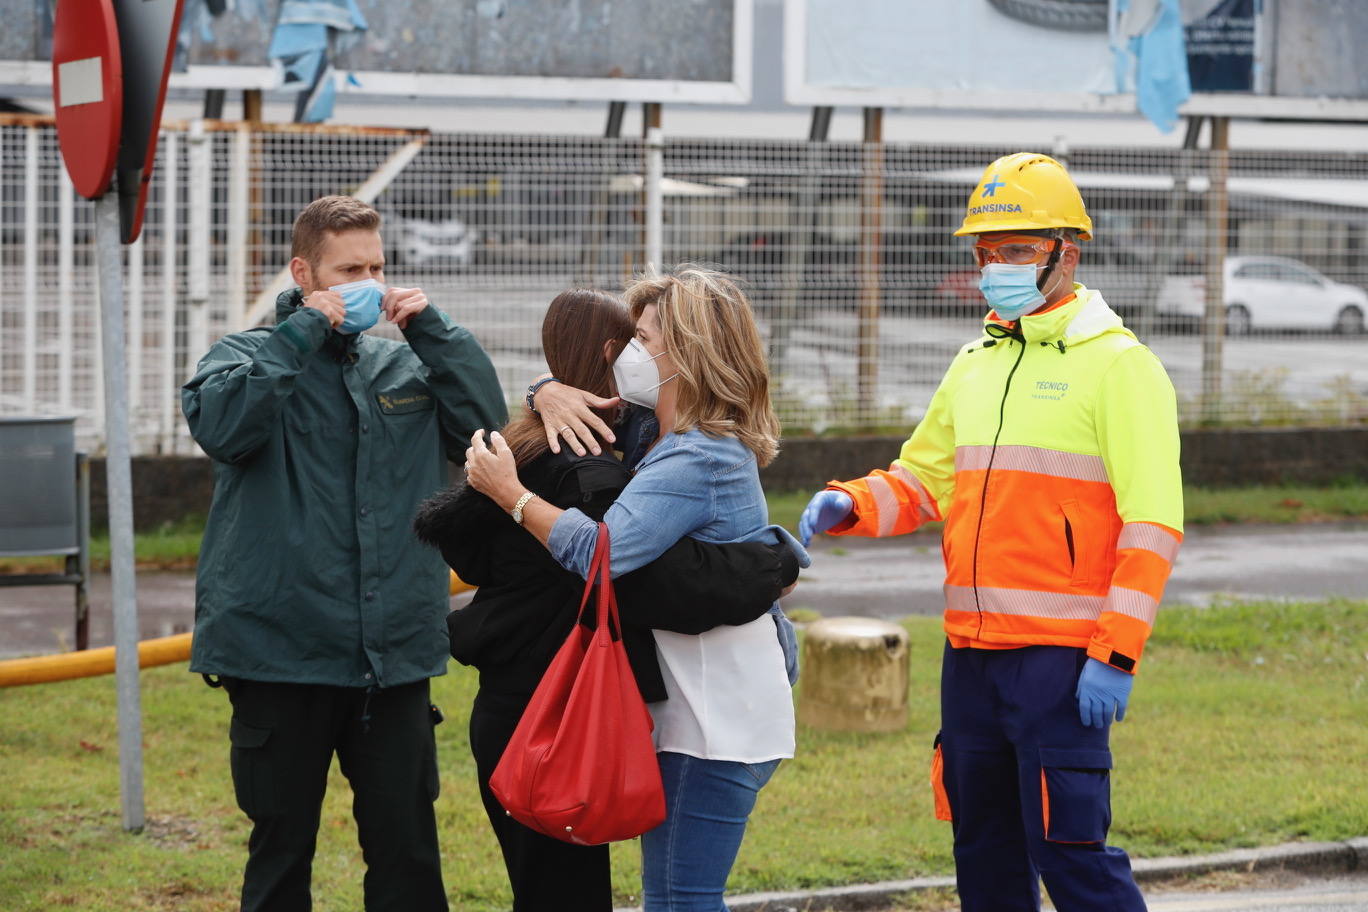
{"x":120,"y":488}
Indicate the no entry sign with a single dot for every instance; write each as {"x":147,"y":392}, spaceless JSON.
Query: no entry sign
{"x":87,"y":84}
{"x":147,"y":36}
{"x":110,"y":63}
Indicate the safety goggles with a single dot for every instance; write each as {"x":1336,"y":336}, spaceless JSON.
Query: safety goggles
{"x":1017,"y":249}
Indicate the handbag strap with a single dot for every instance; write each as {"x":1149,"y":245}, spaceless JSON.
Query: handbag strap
{"x":606,"y":608}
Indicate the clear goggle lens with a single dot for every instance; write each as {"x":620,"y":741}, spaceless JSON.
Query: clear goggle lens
{"x":1017,"y":250}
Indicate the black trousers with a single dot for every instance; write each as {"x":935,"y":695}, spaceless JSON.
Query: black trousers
{"x":547,"y":875}
{"x":283,"y":738}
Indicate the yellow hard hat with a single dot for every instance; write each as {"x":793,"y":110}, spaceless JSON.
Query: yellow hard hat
{"x":1025,"y":191}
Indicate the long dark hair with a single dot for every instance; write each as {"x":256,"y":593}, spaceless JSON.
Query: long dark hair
{"x":577,"y":325}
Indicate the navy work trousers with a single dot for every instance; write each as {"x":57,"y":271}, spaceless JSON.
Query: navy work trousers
{"x":1028,"y":784}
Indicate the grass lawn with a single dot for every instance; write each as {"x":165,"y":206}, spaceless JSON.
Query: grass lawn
{"x":1246,"y":728}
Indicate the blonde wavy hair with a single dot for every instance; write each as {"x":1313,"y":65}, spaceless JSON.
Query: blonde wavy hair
{"x":709,"y":330}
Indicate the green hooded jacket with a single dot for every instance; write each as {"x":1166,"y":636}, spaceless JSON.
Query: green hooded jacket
{"x":323,"y":446}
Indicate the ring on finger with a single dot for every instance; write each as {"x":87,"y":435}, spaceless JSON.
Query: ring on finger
{"x":564,"y":428}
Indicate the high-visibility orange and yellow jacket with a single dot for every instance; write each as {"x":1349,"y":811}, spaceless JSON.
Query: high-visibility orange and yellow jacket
{"x":1050,"y":449}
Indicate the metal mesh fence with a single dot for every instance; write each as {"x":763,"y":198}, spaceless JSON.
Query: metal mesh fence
{"x":846,"y":249}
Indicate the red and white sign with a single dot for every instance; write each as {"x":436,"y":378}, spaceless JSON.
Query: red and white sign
{"x":147,"y":35}
{"x":87,"y":92}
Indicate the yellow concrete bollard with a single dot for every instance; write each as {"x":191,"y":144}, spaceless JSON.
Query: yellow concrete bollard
{"x":854,"y":675}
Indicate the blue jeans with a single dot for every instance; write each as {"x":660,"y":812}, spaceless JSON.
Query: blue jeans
{"x":686,"y":860}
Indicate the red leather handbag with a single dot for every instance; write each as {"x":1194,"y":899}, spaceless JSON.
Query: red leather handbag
{"x":581,"y":766}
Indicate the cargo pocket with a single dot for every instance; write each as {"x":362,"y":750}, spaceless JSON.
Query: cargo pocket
{"x":252,"y":781}
{"x":1075,"y":794}
{"x":940,"y":796}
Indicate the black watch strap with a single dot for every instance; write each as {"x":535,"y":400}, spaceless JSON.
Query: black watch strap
{"x":532,"y":391}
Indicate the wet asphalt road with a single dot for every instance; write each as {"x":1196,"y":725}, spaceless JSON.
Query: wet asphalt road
{"x":893,"y":578}
{"x":886,"y":579}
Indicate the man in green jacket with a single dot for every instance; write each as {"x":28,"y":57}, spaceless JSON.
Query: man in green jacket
{"x":315,"y":606}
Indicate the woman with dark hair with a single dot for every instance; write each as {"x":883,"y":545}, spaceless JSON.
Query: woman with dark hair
{"x":526,"y":602}
{"x":699,"y":363}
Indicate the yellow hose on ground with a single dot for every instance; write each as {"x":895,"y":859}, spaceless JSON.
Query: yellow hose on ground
{"x":90,"y":662}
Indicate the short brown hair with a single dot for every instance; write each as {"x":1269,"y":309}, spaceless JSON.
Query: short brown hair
{"x":325,"y":216}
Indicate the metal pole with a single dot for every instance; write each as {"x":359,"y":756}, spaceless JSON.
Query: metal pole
{"x":612,"y":129}
{"x":120,"y":492}
{"x":655,"y":200}
{"x":871,"y":234}
{"x":1213,"y":324}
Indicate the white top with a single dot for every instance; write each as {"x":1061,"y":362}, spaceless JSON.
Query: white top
{"x":729,"y":696}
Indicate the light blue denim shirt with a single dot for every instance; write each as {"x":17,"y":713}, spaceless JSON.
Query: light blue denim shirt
{"x":689,"y":484}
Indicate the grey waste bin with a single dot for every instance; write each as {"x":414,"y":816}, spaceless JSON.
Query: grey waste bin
{"x":45,"y":505}
{"x":38,"y":486}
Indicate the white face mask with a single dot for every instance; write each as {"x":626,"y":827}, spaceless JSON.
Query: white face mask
{"x":638,"y":378}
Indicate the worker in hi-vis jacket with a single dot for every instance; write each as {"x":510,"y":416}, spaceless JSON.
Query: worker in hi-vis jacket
{"x":1050,"y":450}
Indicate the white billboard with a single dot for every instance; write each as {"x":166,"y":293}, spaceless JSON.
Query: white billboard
{"x":643,"y":50}
{"x":1056,"y":55}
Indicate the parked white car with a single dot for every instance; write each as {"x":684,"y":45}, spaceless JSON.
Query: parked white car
{"x":1268,"y":292}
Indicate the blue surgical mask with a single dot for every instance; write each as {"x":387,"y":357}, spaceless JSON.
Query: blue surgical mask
{"x":363,"y":304}
{"x":1010,"y":289}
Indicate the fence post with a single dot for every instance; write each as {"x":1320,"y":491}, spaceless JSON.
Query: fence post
{"x":239,"y":177}
{"x":30,"y":382}
{"x":796,"y":258}
{"x":655,"y":200}
{"x":169,"y":382}
{"x":201,"y":200}
{"x":871,"y":236}
{"x":1213,"y":324}
{"x":79,"y":564}
{"x":66,"y":246}
{"x":135,"y":333}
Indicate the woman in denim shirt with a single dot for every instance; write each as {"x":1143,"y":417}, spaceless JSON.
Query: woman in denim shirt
{"x":698,"y":361}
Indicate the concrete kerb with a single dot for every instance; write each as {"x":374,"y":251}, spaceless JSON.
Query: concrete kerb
{"x":1301,"y":857}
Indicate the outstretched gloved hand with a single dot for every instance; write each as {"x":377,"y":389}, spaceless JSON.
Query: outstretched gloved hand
{"x":1101,"y":691}
{"x":826,"y":509}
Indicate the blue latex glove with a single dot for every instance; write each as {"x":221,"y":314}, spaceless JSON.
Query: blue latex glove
{"x":826,"y":509}
{"x":1101,"y":690}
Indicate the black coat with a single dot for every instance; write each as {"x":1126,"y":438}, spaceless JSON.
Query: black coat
{"x":526,"y":602}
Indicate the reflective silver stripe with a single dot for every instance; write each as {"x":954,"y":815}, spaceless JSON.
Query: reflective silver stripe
{"x":1057,"y":606}
{"x":1149,"y":537}
{"x":1032,"y":459}
{"x":1132,"y":603}
{"x":885,"y":501}
{"x":926,"y":504}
